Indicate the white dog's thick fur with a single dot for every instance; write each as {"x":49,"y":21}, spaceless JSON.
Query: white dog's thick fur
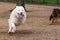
{"x":17,"y":17}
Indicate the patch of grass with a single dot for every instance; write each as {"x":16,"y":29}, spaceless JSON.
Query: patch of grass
{"x":51,"y":1}
{"x":44,"y":1}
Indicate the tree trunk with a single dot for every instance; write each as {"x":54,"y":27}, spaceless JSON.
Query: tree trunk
{"x":21,"y":3}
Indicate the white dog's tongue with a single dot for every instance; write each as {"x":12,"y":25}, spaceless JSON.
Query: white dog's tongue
{"x":21,"y":14}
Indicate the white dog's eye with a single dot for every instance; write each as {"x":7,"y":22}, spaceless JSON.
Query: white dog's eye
{"x":22,"y":10}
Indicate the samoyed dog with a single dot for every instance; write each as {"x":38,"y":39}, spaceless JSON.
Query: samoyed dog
{"x":17,"y":17}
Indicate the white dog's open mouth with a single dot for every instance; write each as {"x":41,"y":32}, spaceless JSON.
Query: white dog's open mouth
{"x":20,"y":14}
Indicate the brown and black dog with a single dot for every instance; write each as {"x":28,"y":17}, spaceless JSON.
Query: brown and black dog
{"x":54,"y":16}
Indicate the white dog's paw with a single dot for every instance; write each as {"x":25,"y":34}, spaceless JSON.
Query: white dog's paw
{"x":11,"y":32}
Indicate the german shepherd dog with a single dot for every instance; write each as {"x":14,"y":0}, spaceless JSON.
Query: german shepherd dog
{"x":54,"y":16}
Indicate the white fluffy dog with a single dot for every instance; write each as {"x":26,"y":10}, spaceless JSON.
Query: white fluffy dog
{"x":17,"y":17}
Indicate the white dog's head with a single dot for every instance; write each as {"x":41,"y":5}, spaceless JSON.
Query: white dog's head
{"x":19,"y":10}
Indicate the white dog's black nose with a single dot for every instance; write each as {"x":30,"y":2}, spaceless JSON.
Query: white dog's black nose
{"x":21,"y":14}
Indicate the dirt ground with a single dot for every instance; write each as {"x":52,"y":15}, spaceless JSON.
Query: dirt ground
{"x":36,"y":27}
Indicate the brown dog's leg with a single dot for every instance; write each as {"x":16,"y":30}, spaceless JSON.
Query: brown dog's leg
{"x":51,"y":21}
{"x":55,"y":20}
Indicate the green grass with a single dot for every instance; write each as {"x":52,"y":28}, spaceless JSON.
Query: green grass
{"x":51,"y":1}
{"x":58,"y":1}
{"x":40,"y":1}
{"x":46,"y":1}
{"x":1,"y":0}
{"x":29,"y":0}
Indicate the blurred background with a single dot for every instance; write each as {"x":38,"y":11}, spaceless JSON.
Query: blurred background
{"x":36,"y":1}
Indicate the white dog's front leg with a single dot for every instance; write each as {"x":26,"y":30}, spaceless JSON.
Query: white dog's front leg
{"x":12,"y":27}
